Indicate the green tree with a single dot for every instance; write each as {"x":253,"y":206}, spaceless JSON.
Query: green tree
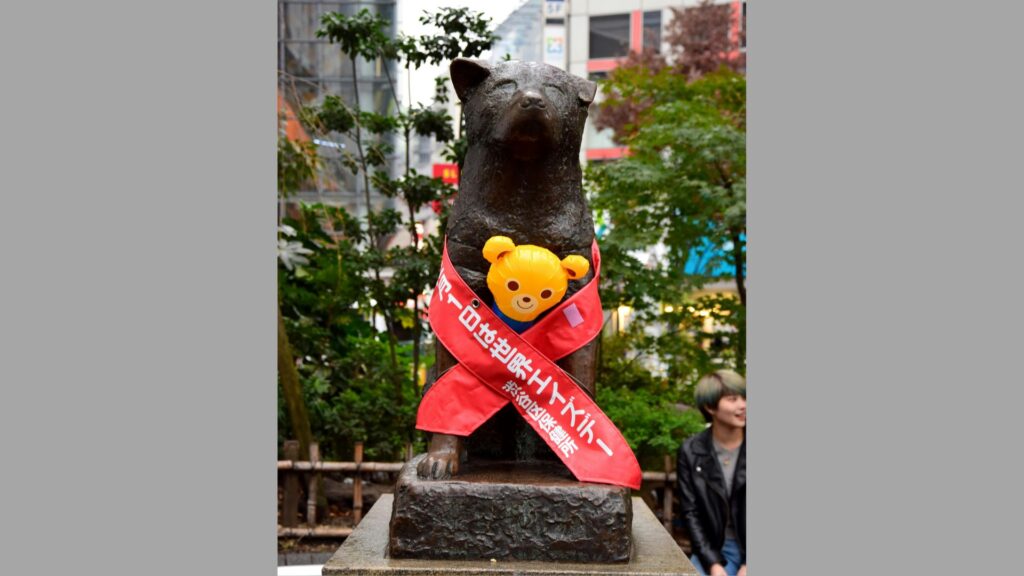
{"x":646,"y":407}
{"x":683,"y":187}
{"x":460,"y":33}
{"x":682,"y":190}
{"x":344,"y":362}
{"x":344,"y":270}
{"x":296,"y":163}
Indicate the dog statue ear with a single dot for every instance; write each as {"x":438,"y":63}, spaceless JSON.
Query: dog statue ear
{"x":587,"y":91}
{"x":467,"y":75}
{"x":496,"y":247}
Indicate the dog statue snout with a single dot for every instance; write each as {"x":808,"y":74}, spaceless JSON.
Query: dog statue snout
{"x":532,"y":99}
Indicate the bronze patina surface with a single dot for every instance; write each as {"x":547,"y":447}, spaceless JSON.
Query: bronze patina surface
{"x":510,"y":511}
{"x":364,"y":554}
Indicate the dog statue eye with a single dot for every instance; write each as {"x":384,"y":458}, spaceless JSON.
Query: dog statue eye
{"x":545,"y":294}
{"x":512,"y":285}
{"x":553,"y":91}
{"x":505,"y":86}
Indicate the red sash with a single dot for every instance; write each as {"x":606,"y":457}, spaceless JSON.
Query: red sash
{"x":497,"y":366}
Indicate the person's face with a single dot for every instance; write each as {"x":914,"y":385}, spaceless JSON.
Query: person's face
{"x":731,"y":411}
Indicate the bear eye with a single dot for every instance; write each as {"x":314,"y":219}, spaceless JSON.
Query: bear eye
{"x":512,"y":285}
{"x":545,"y":294}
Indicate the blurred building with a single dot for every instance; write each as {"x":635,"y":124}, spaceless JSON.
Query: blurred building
{"x":310,"y":68}
{"x":602,"y":32}
{"x":534,"y":32}
{"x":589,"y":38}
{"x":521,"y":34}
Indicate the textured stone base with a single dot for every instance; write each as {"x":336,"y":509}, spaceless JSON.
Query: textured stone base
{"x":364,"y":554}
{"x":510,"y":511}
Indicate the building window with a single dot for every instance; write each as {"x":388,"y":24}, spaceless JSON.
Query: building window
{"x":609,"y":36}
{"x":652,"y":30}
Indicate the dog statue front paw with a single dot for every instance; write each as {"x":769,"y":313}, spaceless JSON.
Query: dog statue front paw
{"x":443,"y":457}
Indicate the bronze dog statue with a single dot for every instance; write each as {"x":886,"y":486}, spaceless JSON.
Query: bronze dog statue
{"x":522,"y":179}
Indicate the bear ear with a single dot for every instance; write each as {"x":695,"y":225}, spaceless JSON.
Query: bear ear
{"x":587,"y":91}
{"x":575,"y":266}
{"x":496,"y":247}
{"x":468,"y":74}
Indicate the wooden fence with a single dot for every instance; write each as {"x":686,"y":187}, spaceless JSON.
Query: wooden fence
{"x":657,"y":489}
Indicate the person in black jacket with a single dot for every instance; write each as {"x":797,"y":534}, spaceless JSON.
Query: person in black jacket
{"x":711,"y":473}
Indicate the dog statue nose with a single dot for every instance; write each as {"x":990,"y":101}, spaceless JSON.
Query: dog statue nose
{"x":532,"y":99}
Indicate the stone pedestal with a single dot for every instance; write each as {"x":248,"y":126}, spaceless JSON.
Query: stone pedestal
{"x":364,"y":553}
{"x":510,"y":511}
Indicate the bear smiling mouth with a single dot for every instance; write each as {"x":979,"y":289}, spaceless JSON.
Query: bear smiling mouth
{"x":522,"y":308}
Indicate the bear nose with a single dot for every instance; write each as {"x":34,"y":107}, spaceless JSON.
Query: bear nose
{"x":526,"y":299}
{"x":532,"y":99}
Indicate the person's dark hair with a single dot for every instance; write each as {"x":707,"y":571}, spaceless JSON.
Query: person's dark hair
{"x":713,"y":386}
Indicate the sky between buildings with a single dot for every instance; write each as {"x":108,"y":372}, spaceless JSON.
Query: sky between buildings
{"x":408,"y":13}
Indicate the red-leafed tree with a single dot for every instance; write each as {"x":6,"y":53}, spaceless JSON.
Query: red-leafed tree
{"x":701,"y":40}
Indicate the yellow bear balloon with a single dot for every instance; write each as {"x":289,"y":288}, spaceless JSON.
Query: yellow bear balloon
{"x":526,"y":279}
